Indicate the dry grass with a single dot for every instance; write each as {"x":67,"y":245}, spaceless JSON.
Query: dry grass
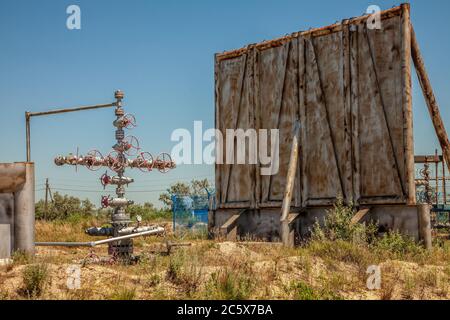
{"x":320,"y":270}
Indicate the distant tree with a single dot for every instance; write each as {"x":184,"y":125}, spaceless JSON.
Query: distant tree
{"x":196,"y":187}
{"x":62,"y":207}
{"x":199,"y":187}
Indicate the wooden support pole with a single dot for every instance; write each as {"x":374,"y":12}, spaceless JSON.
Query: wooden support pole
{"x":292,"y":172}
{"x":430,"y":98}
{"x":286,"y":234}
{"x":407,"y":104}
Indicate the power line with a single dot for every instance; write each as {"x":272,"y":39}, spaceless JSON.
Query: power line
{"x":145,"y":180}
{"x":104,"y":191}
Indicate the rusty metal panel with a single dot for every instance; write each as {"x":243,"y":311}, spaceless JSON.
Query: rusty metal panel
{"x":234,"y":93}
{"x":381,"y":117}
{"x":278,"y":108}
{"x":350,"y":88}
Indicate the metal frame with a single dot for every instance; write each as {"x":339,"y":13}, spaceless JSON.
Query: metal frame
{"x":29,"y":115}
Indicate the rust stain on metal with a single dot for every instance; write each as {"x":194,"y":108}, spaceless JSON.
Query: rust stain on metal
{"x":13,"y":176}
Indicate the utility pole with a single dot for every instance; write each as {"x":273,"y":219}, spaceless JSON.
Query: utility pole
{"x":46,"y":198}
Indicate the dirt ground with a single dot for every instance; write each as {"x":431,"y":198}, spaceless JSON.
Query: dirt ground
{"x":224,"y":270}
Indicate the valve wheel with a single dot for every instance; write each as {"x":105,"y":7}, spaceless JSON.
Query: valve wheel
{"x":145,"y":162}
{"x":129,"y":121}
{"x":131,"y":146}
{"x":94,"y":160}
{"x":105,"y":179}
{"x":115,"y":161}
{"x":105,"y":202}
{"x":162,"y":162}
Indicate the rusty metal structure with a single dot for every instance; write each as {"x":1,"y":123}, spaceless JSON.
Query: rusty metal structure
{"x":431,"y":182}
{"x":121,"y":243}
{"x":349,"y":86}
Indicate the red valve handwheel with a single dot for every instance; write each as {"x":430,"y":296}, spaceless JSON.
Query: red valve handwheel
{"x":105,"y":179}
{"x":105,"y":202}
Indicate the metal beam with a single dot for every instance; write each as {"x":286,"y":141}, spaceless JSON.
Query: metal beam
{"x":158,"y":230}
{"x":29,"y":115}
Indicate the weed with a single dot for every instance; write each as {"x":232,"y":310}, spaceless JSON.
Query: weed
{"x":231,"y":283}
{"x":184,"y":272}
{"x":35,"y":278}
{"x":124,"y":294}
{"x":21,"y":258}
{"x":387,"y":290}
{"x":397,"y":244}
{"x":338,"y":225}
{"x":154,"y":280}
{"x":303,"y":291}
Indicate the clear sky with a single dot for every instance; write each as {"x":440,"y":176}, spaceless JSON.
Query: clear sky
{"x":161,"y":54}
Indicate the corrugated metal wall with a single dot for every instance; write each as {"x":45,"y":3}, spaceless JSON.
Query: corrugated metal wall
{"x":350,"y":88}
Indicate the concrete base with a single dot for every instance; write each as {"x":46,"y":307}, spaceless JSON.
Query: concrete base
{"x":264,"y":224}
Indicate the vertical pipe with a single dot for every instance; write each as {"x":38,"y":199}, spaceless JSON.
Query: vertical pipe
{"x":27,"y":124}
{"x":424,"y":215}
{"x":46,"y":199}
{"x":444,"y":180}
{"x":407,"y":104}
{"x":24,"y":213}
{"x":436,"y":174}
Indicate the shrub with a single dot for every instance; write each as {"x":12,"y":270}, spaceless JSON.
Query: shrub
{"x":302,"y":291}
{"x":35,"y":277}
{"x":338,"y":225}
{"x":398,"y":244}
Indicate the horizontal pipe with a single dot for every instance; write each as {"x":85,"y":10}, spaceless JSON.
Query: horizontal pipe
{"x":46,"y":113}
{"x":99,"y":242}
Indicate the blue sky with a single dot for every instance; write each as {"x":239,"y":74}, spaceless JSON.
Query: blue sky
{"x":161,"y":54}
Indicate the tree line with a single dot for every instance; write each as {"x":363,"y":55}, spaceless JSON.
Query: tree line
{"x":64,"y":206}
